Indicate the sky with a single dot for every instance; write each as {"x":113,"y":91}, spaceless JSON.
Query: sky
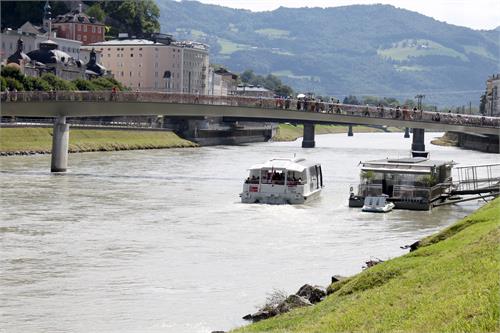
{"x":475,"y":14}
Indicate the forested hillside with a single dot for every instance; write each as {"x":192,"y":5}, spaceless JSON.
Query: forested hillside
{"x":361,"y":50}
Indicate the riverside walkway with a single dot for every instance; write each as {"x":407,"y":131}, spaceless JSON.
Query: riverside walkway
{"x":63,"y":104}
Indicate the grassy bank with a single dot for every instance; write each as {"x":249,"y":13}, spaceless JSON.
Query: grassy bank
{"x":83,"y":140}
{"x":450,"y":284}
{"x":287,"y":132}
{"x":448,"y":139}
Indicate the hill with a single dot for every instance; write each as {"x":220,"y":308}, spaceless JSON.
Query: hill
{"x":362,"y":50}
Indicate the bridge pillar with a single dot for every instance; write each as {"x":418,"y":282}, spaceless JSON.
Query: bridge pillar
{"x":60,"y":143}
{"x":418,"y":143}
{"x":308,"y":139}
{"x":349,"y":131}
{"x":407,"y":133}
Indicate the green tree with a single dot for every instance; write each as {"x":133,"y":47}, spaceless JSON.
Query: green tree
{"x":57,"y":83}
{"x":84,"y":85}
{"x":36,"y":84}
{"x":3,"y":83}
{"x":96,"y":11}
{"x":14,"y":84}
{"x":351,"y":99}
{"x":482,"y":104}
{"x":131,"y":16}
{"x":12,"y":72}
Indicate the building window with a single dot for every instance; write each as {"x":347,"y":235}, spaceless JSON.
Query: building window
{"x":121,"y":73}
{"x":131,"y":55}
{"x":84,"y":28}
{"x":130,"y":74}
{"x":98,"y":30}
{"x":93,"y":29}
{"x":84,"y":38}
{"x":156,"y":65}
{"x":78,"y":27}
{"x":78,"y":37}
{"x":156,"y":74}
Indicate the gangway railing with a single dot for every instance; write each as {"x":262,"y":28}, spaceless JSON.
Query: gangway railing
{"x":477,"y":178}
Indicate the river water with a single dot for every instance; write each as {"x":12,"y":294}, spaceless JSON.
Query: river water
{"x":157,"y":241}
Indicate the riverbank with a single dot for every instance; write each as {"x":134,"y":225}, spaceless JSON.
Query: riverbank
{"x":38,"y":140}
{"x":449,"y":284}
{"x":448,"y":140}
{"x":288,"y":132}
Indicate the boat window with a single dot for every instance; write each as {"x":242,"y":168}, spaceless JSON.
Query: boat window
{"x":254,"y":177}
{"x":275,"y":177}
{"x":314,"y":177}
{"x":294,"y":178}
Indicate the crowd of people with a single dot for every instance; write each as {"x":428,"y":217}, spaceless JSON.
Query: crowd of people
{"x":305,"y":104}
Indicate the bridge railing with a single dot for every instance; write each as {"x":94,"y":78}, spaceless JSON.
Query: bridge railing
{"x":254,"y":102}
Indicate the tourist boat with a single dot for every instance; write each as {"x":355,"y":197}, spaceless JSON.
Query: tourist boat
{"x":283,"y":181}
{"x":377,"y":204}
{"x":410,"y":183}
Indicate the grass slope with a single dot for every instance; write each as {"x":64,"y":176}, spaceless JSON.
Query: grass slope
{"x":82,"y":140}
{"x":287,"y":132}
{"x":450,"y":284}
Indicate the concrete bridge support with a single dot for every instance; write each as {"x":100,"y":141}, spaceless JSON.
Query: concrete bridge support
{"x":418,"y":143}
{"x":60,"y":143}
{"x":407,"y":133}
{"x":308,"y":139}
{"x":349,"y":131}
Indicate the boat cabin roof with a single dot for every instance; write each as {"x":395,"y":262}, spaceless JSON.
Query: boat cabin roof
{"x":295,"y":164}
{"x":404,"y":165}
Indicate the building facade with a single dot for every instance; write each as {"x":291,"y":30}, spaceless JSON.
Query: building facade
{"x":254,"y":91}
{"x":221,"y":82}
{"x":156,"y":64}
{"x":32,"y":39}
{"x":77,"y":25}
{"x":492,"y":105}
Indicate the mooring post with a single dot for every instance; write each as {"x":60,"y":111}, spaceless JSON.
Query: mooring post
{"x":60,"y":143}
{"x":350,"y":132}
{"x":308,"y":139}
{"x":407,"y":132}
{"x":418,"y":143}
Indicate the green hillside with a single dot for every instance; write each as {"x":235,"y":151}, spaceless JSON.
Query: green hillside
{"x":362,"y":50}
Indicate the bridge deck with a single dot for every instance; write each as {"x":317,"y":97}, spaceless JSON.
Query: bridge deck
{"x":96,"y":104}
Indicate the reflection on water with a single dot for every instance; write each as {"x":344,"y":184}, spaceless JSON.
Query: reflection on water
{"x":157,"y":240}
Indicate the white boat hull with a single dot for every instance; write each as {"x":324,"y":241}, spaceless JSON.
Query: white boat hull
{"x":279,"y":199}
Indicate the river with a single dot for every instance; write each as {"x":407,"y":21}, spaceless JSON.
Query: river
{"x":157,"y":241}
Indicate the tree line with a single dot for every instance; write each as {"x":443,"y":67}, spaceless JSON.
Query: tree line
{"x":133,"y":17}
{"x":11,"y":78}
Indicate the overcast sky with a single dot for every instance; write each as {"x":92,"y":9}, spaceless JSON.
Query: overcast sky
{"x":476,"y":14}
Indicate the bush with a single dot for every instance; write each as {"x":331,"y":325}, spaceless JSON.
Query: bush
{"x":116,"y":83}
{"x":3,"y":83}
{"x":57,"y":83}
{"x":103,"y":84}
{"x":12,"y":72}
{"x":36,"y":84}
{"x":14,"y":84}
{"x":84,"y":85}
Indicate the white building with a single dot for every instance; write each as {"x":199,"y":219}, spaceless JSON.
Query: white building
{"x":158,"y":64}
{"x":32,"y":39}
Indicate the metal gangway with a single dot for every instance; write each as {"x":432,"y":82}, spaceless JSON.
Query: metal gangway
{"x":474,"y":179}
{"x":474,"y":182}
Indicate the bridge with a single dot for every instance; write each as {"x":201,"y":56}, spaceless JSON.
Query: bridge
{"x":63,"y":104}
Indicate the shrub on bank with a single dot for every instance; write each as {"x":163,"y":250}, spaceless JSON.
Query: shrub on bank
{"x":57,"y":83}
{"x":12,"y":78}
{"x":36,"y":84}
